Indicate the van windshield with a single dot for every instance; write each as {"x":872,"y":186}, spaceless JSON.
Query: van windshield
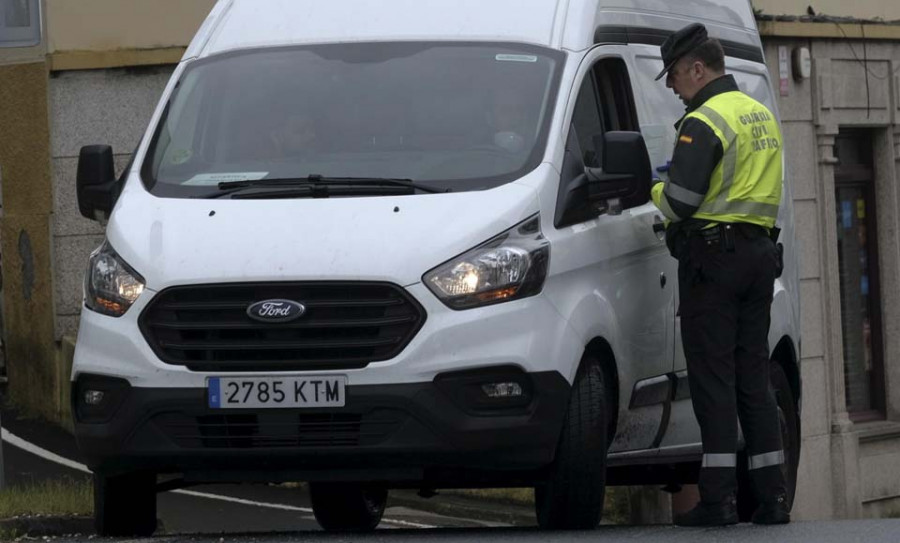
{"x":458,"y":117}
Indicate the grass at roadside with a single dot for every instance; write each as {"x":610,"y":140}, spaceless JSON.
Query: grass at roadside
{"x":58,"y":497}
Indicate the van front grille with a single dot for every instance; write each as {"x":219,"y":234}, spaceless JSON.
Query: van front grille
{"x":345,"y":326}
{"x":277,"y":429}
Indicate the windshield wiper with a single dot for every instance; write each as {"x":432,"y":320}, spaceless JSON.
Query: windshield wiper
{"x":316,"y":182}
{"x":319,"y":191}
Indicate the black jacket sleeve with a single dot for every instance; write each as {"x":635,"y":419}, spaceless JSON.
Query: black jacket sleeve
{"x":697,"y":153}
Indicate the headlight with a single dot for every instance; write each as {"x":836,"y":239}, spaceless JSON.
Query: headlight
{"x":111,"y":285}
{"x":511,"y":266}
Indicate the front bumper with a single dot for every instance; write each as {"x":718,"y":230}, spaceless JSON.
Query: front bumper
{"x":401,"y":434}
{"x":528,"y":333}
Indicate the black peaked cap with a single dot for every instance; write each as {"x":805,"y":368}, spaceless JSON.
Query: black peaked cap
{"x":681,"y":43}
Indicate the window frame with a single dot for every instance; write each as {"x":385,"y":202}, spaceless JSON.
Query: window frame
{"x":26,"y":36}
{"x":861,"y":175}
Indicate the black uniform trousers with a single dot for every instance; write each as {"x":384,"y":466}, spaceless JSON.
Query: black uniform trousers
{"x":726,"y":278}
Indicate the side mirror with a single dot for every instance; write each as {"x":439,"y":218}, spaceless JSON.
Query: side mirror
{"x":96,"y":182}
{"x":626,"y":173}
{"x":622,"y":182}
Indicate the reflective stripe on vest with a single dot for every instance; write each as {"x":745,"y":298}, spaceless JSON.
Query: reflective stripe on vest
{"x":750,"y":166}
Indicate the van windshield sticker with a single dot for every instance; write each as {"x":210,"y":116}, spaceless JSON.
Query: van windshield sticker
{"x":205,"y":179}
{"x":181,"y":156}
{"x":516,"y":58}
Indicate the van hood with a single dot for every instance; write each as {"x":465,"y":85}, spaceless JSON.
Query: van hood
{"x":397,"y":239}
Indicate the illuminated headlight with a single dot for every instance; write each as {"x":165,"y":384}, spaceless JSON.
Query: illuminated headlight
{"x":111,"y":286}
{"x":511,"y":266}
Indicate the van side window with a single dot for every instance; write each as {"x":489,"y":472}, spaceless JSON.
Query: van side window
{"x":586,"y":120}
{"x":605,"y":103}
{"x":616,"y":97}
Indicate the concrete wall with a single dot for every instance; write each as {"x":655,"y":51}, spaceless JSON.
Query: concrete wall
{"x":844,"y":465}
{"x":25,"y":234}
{"x":110,"y":25}
{"x":90,"y":107}
{"x":862,"y":9}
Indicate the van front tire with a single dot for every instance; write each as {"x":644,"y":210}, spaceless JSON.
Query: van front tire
{"x":125,"y":505}
{"x":572,"y":496}
{"x":347,"y":507}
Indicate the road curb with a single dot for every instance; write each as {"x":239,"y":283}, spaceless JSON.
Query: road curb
{"x":47,"y":526}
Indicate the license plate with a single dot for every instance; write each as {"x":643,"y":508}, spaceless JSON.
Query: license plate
{"x":276,"y":392}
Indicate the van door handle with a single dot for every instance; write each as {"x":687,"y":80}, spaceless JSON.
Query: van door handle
{"x":662,"y":280}
{"x":659,"y":227}
{"x":658,"y":224}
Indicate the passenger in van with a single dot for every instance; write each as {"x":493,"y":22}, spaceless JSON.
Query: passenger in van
{"x":722,"y":198}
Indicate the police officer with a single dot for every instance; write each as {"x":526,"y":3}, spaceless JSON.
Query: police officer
{"x":721,"y":199}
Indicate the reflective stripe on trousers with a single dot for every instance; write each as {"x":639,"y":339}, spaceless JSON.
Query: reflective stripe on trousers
{"x":719,"y":461}
{"x":759,"y":461}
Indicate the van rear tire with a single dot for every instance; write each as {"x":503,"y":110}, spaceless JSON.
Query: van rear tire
{"x":125,"y":505}
{"x":340,"y":507}
{"x":572,"y":496}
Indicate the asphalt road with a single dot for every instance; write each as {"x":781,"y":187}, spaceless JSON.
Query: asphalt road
{"x":209,"y":509}
{"x":870,"y":531}
{"x":266,"y":513}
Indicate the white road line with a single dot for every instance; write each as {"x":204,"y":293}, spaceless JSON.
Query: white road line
{"x":17,"y":441}
{"x":283,"y":507}
{"x":29,"y":447}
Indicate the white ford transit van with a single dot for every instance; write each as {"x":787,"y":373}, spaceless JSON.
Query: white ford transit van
{"x":403,"y":244}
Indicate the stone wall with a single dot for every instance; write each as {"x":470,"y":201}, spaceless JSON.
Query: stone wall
{"x":851,"y":86}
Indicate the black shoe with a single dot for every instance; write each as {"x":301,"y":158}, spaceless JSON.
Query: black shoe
{"x":704,"y":514}
{"x":772,"y":512}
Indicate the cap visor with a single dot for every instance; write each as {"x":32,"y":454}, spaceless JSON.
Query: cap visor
{"x":665,"y":70}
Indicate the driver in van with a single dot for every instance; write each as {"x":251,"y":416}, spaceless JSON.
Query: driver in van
{"x":509,"y":118}
{"x":722,"y":198}
{"x":294,"y":136}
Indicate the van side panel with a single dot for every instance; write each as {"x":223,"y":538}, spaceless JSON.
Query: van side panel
{"x":730,"y":20}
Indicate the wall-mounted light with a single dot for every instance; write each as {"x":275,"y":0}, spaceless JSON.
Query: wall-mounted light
{"x":801,"y":63}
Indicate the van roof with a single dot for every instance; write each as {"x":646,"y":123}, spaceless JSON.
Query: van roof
{"x":560,"y":24}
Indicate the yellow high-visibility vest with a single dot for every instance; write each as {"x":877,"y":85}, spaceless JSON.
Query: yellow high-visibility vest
{"x":746,"y":184}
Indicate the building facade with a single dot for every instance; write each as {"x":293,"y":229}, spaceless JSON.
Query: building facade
{"x":842,"y":134}
{"x":80,"y":73}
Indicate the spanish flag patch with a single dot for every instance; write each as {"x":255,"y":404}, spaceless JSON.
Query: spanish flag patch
{"x":686,"y":139}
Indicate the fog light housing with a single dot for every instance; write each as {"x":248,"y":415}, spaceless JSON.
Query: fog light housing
{"x":509,"y":389}
{"x":500,"y":390}
{"x":97,"y":398}
{"x":93,"y":397}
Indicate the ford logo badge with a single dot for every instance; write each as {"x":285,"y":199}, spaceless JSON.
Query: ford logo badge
{"x":276,"y":311}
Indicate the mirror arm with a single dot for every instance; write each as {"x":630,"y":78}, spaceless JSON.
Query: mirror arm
{"x":597,"y":175}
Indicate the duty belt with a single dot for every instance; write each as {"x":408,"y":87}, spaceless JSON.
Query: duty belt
{"x":722,"y":234}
